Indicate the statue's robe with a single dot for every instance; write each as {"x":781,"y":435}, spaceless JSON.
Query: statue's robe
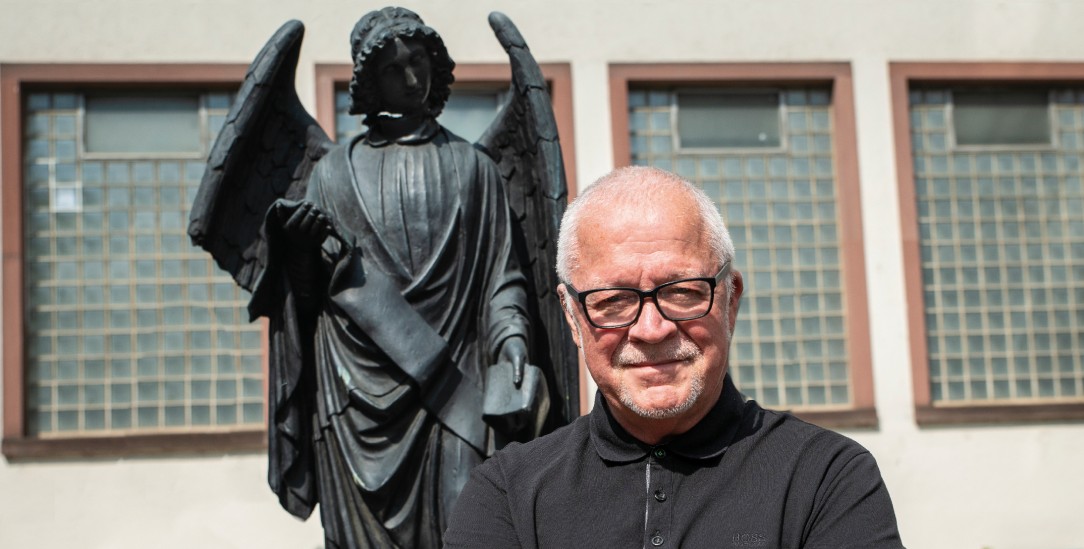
{"x":349,"y":428}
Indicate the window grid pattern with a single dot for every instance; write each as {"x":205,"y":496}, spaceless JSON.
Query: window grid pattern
{"x":1002,"y":248}
{"x":790,"y":342}
{"x":129,"y":327}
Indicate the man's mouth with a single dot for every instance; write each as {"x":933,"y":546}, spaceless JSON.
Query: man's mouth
{"x":657,"y":363}
{"x":671,"y":353}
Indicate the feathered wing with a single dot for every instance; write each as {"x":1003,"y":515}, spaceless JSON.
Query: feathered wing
{"x":523,"y":142}
{"x":265,"y":151}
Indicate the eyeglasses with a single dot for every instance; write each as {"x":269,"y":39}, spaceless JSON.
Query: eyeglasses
{"x":677,"y":300}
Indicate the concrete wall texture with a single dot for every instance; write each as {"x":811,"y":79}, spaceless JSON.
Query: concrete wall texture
{"x":1001,"y":487}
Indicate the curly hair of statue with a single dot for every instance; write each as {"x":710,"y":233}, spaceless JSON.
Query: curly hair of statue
{"x":376,"y":30}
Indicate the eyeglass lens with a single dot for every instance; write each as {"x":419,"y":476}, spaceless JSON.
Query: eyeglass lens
{"x":677,"y":301}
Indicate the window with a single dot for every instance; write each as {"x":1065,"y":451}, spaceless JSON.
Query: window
{"x":127,"y":330}
{"x":733,"y":119}
{"x":134,"y":123}
{"x":768,"y":149}
{"x":996,"y":271}
{"x":1008,"y":117}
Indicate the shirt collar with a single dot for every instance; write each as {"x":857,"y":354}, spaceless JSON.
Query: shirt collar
{"x":421,"y":134}
{"x":707,"y":439}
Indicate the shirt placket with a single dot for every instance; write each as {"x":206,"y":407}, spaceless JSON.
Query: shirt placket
{"x":659,"y":498}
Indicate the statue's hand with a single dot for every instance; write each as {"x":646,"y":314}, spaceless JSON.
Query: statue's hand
{"x":304,"y":225}
{"x":514,"y":351}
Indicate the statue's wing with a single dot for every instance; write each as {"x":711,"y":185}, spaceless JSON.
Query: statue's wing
{"x":523,"y":143}
{"x":265,"y":151}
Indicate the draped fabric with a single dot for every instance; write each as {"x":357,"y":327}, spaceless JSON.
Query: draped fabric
{"x":350,"y":429}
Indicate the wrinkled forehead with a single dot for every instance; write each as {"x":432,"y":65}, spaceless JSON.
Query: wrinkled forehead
{"x":641,"y":231}
{"x":665,"y":214}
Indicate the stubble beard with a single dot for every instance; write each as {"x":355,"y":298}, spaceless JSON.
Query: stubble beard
{"x":678,"y":350}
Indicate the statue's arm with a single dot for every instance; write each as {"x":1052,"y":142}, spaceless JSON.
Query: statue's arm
{"x":304,"y":228}
{"x":509,"y":325}
{"x":290,"y":293}
{"x":523,"y":141}
{"x":292,"y":388}
{"x":298,"y":250}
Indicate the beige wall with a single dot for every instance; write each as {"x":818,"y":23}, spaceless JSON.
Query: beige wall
{"x":954,"y":487}
{"x":179,"y":502}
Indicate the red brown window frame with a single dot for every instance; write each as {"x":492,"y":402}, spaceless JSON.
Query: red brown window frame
{"x":837,"y":76}
{"x":902,"y":75}
{"x":494,"y":76}
{"x":15,"y":81}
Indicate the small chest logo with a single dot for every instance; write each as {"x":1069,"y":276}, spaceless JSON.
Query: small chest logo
{"x":749,"y":540}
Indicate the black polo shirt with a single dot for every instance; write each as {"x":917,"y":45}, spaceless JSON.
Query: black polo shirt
{"x":742,"y":477}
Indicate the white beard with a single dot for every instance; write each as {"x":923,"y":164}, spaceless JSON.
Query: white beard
{"x":681,"y":349}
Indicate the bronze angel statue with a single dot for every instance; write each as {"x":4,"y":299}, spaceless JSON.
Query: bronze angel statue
{"x":407,"y":276}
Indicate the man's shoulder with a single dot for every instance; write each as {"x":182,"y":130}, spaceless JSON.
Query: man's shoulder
{"x":559,"y":441}
{"x":541,"y":453}
{"x":783,"y":433}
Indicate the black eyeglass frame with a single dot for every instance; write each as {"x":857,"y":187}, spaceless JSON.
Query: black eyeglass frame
{"x":712,"y":281}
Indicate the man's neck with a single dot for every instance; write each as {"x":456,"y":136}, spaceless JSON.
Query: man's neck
{"x":654,"y":431}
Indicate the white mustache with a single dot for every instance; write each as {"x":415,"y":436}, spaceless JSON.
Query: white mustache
{"x":671,"y":351}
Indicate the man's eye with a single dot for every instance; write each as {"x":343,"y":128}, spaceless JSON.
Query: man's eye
{"x":619,"y":299}
{"x":684,"y":292}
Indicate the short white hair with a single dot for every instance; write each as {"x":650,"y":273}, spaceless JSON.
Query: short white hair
{"x":635,"y":187}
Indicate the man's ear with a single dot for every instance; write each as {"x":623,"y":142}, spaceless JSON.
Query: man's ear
{"x":570,"y":317}
{"x":734,"y":302}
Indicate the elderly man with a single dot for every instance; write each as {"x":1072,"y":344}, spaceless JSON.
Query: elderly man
{"x":671,"y":455}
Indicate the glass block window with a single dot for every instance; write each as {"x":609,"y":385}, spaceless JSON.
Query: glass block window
{"x":708,"y":120}
{"x":790,"y":344}
{"x":129,"y":327}
{"x":1001,"y":117}
{"x":467,"y":113}
{"x":116,"y":123}
{"x":1002,"y":247}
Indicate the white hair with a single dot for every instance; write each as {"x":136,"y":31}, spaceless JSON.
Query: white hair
{"x":636,"y":187}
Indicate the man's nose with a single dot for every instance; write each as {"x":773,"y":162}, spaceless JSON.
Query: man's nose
{"x":651,"y":327}
{"x":411,"y":78}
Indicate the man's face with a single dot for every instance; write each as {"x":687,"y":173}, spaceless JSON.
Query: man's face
{"x":403,"y":76}
{"x":656,"y":368}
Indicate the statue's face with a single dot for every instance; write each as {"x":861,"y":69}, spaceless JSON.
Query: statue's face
{"x":403,"y":76}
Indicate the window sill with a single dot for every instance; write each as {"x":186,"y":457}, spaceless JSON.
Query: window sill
{"x":998,"y":414}
{"x":858,"y":418}
{"x":141,"y":445}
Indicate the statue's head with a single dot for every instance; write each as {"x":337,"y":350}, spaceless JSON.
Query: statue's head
{"x":388,"y":29}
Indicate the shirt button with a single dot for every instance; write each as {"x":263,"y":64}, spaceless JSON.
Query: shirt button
{"x":660,"y":453}
{"x":656,"y":540}
{"x":660,"y":496}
